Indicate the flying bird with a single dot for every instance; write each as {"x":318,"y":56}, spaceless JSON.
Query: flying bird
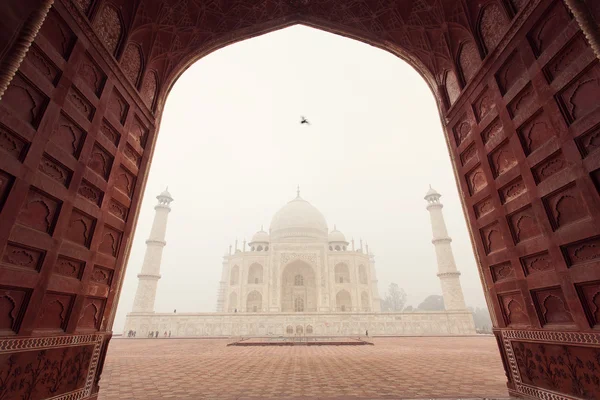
{"x":303,"y":120}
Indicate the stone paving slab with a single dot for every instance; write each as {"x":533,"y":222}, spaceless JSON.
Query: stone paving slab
{"x":394,"y":368}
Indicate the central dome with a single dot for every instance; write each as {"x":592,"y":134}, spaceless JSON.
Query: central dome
{"x":298,"y":218}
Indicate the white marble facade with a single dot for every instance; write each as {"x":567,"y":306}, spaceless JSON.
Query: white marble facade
{"x":298,"y":267}
{"x":301,"y":278}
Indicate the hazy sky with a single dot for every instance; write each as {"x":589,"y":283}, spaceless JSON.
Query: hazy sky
{"x":232,"y":151}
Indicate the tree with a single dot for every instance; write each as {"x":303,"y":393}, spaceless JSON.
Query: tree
{"x":482,"y":320}
{"x":394,"y":299}
{"x":432,"y":303}
{"x":408,"y":309}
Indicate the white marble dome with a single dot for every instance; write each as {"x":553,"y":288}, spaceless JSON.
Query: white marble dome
{"x":337,"y":236}
{"x":298,"y":218}
{"x":260,"y":237}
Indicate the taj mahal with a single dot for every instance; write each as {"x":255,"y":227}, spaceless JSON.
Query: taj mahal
{"x":299,"y":278}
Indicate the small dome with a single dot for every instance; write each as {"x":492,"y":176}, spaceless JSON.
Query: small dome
{"x":432,"y":192}
{"x":298,"y":218}
{"x":337,"y":236}
{"x":260,"y":236}
{"x":166,"y":194}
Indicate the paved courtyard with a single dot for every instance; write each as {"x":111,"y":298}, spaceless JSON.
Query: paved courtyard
{"x":191,"y":369}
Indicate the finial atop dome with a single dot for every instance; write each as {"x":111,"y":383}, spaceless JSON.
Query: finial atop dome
{"x":165,"y":197}
{"x":432,"y":193}
{"x":298,"y":192}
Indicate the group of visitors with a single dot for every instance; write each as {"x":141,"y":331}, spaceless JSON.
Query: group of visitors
{"x":152,"y":334}
{"x":155,"y":334}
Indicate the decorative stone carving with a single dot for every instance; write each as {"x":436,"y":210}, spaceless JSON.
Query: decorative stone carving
{"x":131,"y":63}
{"x":109,"y":28}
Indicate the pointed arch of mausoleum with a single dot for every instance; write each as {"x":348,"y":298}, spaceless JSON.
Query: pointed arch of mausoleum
{"x":233,"y":305}
{"x":234,"y":275}
{"x":342,"y":273}
{"x":343,"y":301}
{"x":365,"y":303}
{"x":254,"y":301}
{"x":363,"y":277}
{"x":298,"y":287}
{"x":255,"y":274}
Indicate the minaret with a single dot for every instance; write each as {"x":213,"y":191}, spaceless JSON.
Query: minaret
{"x":148,"y":278}
{"x":223,"y":285}
{"x":376,"y":300}
{"x":447,"y":272}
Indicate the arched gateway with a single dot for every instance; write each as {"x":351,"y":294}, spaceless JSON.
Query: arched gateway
{"x":516,"y":83}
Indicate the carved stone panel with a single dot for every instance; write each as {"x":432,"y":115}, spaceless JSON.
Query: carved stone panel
{"x":565,"y":206}
{"x":58,"y":33}
{"x":68,"y":135}
{"x":12,"y":144}
{"x":91,"y":74}
{"x":483,"y":105}
{"x":55,"y":170}
{"x":101,"y":161}
{"x":522,"y":103}
{"x":566,"y":57}
{"x":476,"y":180}
{"x":47,"y":373}
{"x":589,"y":142}
{"x":90,"y":192}
{"x":81,"y":228}
{"x":549,"y":26}
{"x":582,"y":95}
{"x":572,"y":370}
{"x":551,"y":165}
{"x":536,"y":263}
{"x":492,"y":238}
{"x":512,"y":190}
{"x":26,"y":101}
{"x":6,"y":182}
{"x":551,"y":306}
{"x":39,"y":211}
{"x":492,"y":132}
{"x":13,"y":302}
{"x":502,"y":272}
{"x":589,"y":294}
{"x":513,"y":309}
{"x":510,"y":72}
{"x":582,"y":252}
{"x":69,"y":267}
{"x":118,"y":106}
{"x":125,"y":181}
{"x":484,"y":207}
{"x":523,"y":225}
{"x":81,"y":104}
{"x":111,"y":240}
{"x":37,"y":58}
{"x":55,"y":311}
{"x":502,"y":159}
{"x":462,"y":129}
{"x":20,"y":256}
{"x":91,"y":314}
{"x":101,"y":275}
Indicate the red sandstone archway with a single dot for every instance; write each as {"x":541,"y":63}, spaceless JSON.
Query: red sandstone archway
{"x":518,"y":89}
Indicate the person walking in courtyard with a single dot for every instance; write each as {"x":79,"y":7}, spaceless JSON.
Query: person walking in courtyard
{"x":367,"y":333}
{"x":156,"y":334}
{"x":169,"y":333}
